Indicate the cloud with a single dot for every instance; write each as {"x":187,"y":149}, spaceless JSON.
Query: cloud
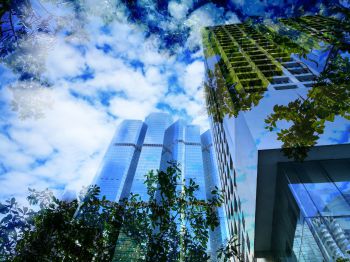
{"x":98,"y":69}
{"x":62,"y":148}
{"x":193,"y":78}
{"x":128,"y":109}
{"x":179,"y":10}
{"x":63,"y":61}
{"x":207,"y":15}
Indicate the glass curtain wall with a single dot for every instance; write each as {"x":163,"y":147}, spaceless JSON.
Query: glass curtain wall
{"x":319,"y":191}
{"x":151,"y":152}
{"x":120,"y":160}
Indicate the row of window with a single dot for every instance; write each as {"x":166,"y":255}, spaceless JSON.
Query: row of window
{"x":227,"y":174}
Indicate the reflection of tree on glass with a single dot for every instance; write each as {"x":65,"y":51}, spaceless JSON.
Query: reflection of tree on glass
{"x":255,"y":54}
{"x":330,"y":95}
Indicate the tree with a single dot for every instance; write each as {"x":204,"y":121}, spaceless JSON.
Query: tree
{"x":230,"y":251}
{"x":173,"y":225}
{"x":329,"y":97}
{"x":53,"y":234}
{"x":223,"y":97}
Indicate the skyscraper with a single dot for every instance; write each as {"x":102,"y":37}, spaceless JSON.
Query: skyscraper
{"x":280,"y":209}
{"x":119,"y":163}
{"x":138,"y":147}
{"x":151,"y":153}
{"x":219,"y":235}
{"x":182,"y":144}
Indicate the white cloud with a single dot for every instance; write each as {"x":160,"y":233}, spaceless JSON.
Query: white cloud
{"x":128,"y":109}
{"x":69,"y":140}
{"x":63,"y":61}
{"x":65,"y":145}
{"x":193,"y":77}
{"x":179,"y":10}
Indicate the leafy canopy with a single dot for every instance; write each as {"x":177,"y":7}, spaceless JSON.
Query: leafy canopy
{"x":329,"y":97}
{"x":173,"y":225}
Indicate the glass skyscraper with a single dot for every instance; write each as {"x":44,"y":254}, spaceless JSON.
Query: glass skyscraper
{"x":138,"y":147}
{"x":151,"y":153}
{"x":182,"y":144}
{"x":280,"y":209}
{"x":211,"y":177}
{"x":119,"y":163}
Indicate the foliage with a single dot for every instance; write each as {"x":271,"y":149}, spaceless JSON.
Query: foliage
{"x":343,"y":259}
{"x":13,"y":225}
{"x":176,"y":222}
{"x":223,"y":98}
{"x":65,"y":238}
{"x":229,"y":251}
{"x":172,"y":225}
{"x":329,"y":97}
{"x":18,"y":20}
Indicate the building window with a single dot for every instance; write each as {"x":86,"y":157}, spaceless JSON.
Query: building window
{"x":248,"y":243}
{"x":234,"y":178}
{"x":235,"y":202}
{"x":243,"y":221}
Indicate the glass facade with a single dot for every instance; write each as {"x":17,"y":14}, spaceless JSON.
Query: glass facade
{"x":182,"y":144}
{"x":211,"y":176}
{"x":151,"y":152}
{"x":139,"y":147}
{"x":120,"y":160}
{"x":194,"y":152}
{"x":318,"y":226}
{"x":249,"y":69}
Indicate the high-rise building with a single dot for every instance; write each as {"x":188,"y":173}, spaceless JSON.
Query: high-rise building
{"x":280,"y":209}
{"x":182,"y":144}
{"x":119,"y":163}
{"x":151,"y":153}
{"x":218,"y":236}
{"x":138,"y":147}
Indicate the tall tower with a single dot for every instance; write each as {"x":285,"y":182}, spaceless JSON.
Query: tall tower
{"x":114,"y":176}
{"x":278,"y":209}
{"x":182,"y":144}
{"x":151,"y":153}
{"x":138,"y":147}
{"x":219,"y":235}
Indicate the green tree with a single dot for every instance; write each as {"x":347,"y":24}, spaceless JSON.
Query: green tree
{"x":329,"y":97}
{"x":343,"y":259}
{"x":173,"y":225}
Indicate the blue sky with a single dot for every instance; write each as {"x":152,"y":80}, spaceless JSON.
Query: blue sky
{"x":97,"y":67}
{"x":64,"y":91}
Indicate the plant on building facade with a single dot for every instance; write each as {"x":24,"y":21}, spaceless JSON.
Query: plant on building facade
{"x":223,"y":99}
{"x":173,"y":225}
{"x":343,"y":259}
{"x":290,"y":42}
{"x":328,"y":98}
